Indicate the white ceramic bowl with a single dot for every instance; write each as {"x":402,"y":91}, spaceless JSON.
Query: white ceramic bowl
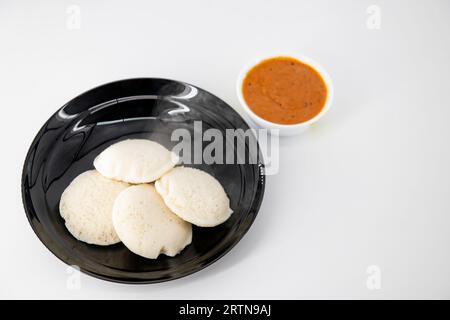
{"x":286,"y":129}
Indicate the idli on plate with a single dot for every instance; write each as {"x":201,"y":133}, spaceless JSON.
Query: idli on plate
{"x":86,"y":206}
{"x":194,"y":196}
{"x":135,"y":161}
{"x":146,"y":225}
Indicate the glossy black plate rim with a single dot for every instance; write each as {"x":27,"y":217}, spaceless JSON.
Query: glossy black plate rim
{"x":259,"y":195}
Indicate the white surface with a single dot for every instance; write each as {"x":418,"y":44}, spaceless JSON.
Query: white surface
{"x":368,"y":185}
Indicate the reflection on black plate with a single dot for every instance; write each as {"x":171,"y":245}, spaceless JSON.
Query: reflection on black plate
{"x":137,"y":108}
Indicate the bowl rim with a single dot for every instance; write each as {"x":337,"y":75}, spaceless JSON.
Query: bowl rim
{"x":303,"y":59}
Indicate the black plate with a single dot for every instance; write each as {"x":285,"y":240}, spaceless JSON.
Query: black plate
{"x":137,"y":108}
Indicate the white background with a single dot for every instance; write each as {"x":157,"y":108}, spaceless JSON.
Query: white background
{"x":368,"y":185}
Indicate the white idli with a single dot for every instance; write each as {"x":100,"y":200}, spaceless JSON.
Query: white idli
{"x":194,"y":196}
{"x":135,"y":161}
{"x":146,"y":225}
{"x":86,"y":206}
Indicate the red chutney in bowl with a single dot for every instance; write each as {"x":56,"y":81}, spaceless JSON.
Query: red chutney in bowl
{"x":284,"y":90}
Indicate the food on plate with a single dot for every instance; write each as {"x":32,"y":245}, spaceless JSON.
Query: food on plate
{"x":150,"y":219}
{"x":135,"y":161}
{"x":86,"y":206}
{"x":284,"y":90}
{"x":194,"y":196}
{"x":146,"y":225}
